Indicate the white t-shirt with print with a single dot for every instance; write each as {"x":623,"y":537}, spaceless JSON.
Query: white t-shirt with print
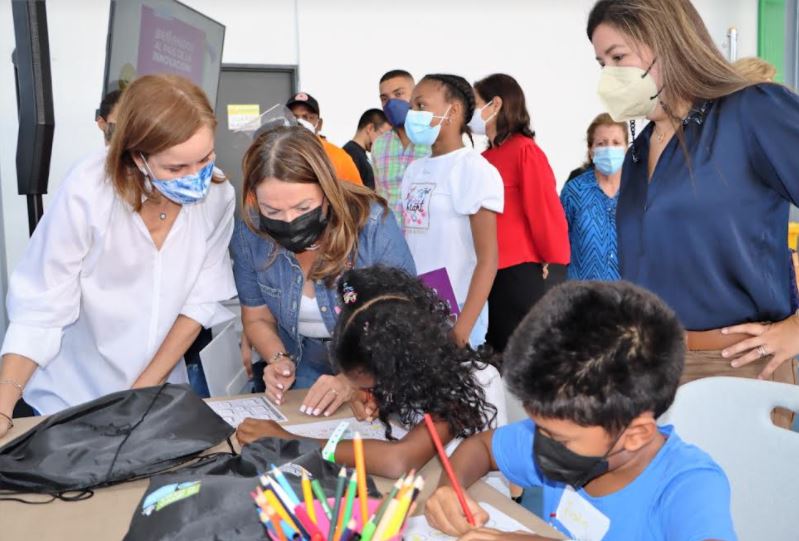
{"x":438,"y":196}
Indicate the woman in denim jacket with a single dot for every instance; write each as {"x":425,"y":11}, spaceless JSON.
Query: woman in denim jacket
{"x":300,"y":230}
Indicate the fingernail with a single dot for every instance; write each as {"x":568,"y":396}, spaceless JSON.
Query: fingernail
{"x":327,"y":414}
{"x":725,"y":353}
{"x":280,"y":386}
{"x":317,"y":411}
{"x":725,"y":331}
{"x":286,"y":373}
{"x":302,"y":409}
{"x":735,"y":364}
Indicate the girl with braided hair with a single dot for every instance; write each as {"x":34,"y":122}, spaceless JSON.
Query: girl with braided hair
{"x":450,"y":200}
{"x":392,"y":342}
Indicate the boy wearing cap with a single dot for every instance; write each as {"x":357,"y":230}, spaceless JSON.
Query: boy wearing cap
{"x":306,"y":109}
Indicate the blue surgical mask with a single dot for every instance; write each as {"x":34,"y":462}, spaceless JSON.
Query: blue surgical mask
{"x":608,"y":160}
{"x":418,"y":128}
{"x":396,"y":110}
{"x":184,"y":190}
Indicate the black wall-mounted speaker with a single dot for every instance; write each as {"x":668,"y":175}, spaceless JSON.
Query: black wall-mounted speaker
{"x":34,"y":102}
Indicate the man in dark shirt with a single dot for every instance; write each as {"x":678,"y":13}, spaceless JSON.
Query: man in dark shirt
{"x":373,"y":124}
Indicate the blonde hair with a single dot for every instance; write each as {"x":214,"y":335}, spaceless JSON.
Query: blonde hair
{"x":293,"y":154}
{"x":602,"y":119}
{"x":691,"y":66}
{"x":156,"y":112}
{"x":755,"y":69}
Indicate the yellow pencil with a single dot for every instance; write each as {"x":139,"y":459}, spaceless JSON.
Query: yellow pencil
{"x":360,"y":467}
{"x":279,"y":509}
{"x":402,"y":509}
{"x":308,"y":496}
{"x":385,"y":521}
{"x":407,"y":485}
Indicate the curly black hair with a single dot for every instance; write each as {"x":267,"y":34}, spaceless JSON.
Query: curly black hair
{"x":457,"y":88}
{"x":597,"y":354}
{"x":397,"y":330}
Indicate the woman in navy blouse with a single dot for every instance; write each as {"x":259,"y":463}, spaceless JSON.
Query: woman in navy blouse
{"x":702,"y":215}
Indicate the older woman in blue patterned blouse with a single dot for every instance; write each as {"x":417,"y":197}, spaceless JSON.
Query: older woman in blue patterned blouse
{"x":590,"y":203}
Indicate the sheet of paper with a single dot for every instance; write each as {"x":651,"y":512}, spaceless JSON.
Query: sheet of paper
{"x":419,"y":530}
{"x":236,"y":410}
{"x":323,"y":429}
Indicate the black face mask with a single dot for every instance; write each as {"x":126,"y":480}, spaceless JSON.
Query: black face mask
{"x":559,"y":463}
{"x":299,"y":234}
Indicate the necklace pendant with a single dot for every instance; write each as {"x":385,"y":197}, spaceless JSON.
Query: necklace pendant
{"x":162,"y":216}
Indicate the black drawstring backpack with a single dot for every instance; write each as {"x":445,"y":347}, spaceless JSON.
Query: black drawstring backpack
{"x":118,"y":437}
{"x":210,"y":500}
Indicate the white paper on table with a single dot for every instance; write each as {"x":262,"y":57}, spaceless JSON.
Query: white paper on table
{"x":236,"y":410}
{"x":324,"y":429}
{"x":419,"y":530}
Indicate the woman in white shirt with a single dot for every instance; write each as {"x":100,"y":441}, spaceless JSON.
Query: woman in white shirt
{"x":128,"y":262}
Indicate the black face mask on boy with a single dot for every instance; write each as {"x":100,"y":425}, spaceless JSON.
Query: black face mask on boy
{"x":297,"y":235}
{"x":558,"y":463}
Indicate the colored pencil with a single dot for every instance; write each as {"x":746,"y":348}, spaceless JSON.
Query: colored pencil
{"x":321,"y":496}
{"x":275,"y":520}
{"x":350,"y":532}
{"x":304,"y":517}
{"x":342,"y":479}
{"x":369,"y":530}
{"x":308,"y":496}
{"x":284,"y":483}
{"x":347,"y":515}
{"x":402,"y":510}
{"x":384,"y":522}
{"x":442,"y":455}
{"x":279,"y":508}
{"x":360,"y":468}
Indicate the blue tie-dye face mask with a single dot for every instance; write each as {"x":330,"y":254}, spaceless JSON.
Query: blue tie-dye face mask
{"x":184,"y":190}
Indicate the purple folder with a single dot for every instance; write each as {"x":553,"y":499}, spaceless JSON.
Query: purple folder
{"x":438,"y":280}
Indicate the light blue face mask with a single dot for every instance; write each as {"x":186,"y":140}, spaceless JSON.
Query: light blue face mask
{"x":184,"y":190}
{"x":608,"y":160}
{"x":418,"y":128}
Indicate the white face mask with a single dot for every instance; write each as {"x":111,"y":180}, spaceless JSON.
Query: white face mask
{"x":628,"y":92}
{"x":477,"y":124}
{"x":307,"y":125}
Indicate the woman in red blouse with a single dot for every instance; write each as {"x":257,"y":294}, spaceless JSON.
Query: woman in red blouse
{"x":532,"y":232}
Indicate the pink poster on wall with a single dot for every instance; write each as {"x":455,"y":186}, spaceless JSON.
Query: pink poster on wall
{"x":168,"y":45}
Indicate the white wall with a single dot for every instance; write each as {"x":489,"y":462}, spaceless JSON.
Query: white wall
{"x":342,"y":48}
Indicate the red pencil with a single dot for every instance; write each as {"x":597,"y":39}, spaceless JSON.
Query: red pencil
{"x":442,"y":455}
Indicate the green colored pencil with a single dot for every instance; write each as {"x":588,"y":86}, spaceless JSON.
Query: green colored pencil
{"x":351,"y":490}
{"x":371,"y":526}
{"x":319,"y":492}
{"x":342,"y":479}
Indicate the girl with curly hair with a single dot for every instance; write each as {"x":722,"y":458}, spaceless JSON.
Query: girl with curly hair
{"x":393,"y":342}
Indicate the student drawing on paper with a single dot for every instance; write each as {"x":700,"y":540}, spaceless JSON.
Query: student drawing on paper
{"x":393,"y":341}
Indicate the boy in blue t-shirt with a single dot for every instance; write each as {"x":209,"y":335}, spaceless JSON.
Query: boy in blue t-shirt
{"x":595,"y":364}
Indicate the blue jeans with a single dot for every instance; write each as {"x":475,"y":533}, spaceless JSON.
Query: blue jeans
{"x":314,"y":363}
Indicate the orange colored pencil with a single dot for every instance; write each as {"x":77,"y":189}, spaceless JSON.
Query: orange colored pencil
{"x":360,"y":468}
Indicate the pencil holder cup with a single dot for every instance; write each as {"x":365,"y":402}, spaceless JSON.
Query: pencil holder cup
{"x":323,"y":523}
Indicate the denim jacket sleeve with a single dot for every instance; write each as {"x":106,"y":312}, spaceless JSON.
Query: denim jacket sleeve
{"x":388,"y":246}
{"x":244,"y":267}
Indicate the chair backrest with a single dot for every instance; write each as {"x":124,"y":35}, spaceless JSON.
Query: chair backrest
{"x":730,"y":419}
{"x":221,"y":360}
